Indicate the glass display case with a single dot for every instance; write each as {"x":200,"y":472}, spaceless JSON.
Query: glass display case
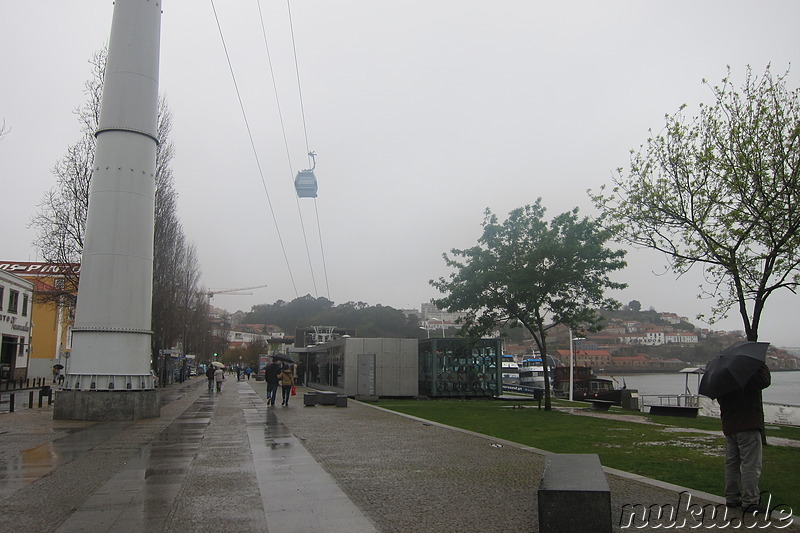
{"x":459,"y":367}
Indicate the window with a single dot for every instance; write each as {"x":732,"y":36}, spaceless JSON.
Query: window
{"x":13,"y":301}
{"x":1,"y":297}
{"x":24,"y":305}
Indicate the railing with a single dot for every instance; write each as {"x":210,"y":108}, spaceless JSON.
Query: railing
{"x":676,"y":400}
{"x":774,"y":413}
{"x":14,"y":384}
{"x":14,"y":388}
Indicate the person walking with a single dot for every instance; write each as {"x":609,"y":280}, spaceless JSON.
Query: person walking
{"x":219,"y":377}
{"x":287,"y":382}
{"x":271,"y":374}
{"x":248,"y":371}
{"x":742,"y":417}
{"x":210,"y":375}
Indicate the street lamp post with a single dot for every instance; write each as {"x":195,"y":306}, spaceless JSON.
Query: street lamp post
{"x":571,"y":365}
{"x":572,"y":362}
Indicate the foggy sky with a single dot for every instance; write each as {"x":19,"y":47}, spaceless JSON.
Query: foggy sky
{"x":423,"y":114}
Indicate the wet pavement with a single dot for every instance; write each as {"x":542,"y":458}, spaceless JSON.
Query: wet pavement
{"x":212,"y":462}
{"x":227,"y":462}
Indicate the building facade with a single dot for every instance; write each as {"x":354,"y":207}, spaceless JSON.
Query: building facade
{"x":16,"y":297}
{"x":53,"y":309}
{"x":385,"y":367}
{"x":362,"y":367}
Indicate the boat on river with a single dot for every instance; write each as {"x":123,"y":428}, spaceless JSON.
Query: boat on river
{"x":531,"y":372}
{"x":510,"y":370}
{"x":585,"y":385}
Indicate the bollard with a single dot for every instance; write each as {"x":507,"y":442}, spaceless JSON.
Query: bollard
{"x":45,"y":391}
{"x":30,"y":400}
{"x":11,"y":403}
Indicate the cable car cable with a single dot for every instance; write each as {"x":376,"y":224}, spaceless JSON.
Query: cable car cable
{"x":305,"y":132}
{"x":297,"y":74}
{"x":322,"y":250}
{"x":286,"y":142}
{"x":253,"y":146}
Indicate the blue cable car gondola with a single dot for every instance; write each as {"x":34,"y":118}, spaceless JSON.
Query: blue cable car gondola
{"x":306,"y":182}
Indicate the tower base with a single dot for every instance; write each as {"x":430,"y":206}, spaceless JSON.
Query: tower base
{"x":106,"y":405}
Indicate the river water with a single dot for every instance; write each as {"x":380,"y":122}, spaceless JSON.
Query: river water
{"x":785,"y":387}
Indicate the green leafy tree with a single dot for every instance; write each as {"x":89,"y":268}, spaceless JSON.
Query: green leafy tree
{"x":721,"y":191}
{"x":532,"y":272}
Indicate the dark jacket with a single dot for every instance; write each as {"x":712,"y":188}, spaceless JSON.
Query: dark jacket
{"x":742,"y":410}
{"x":271,"y":373}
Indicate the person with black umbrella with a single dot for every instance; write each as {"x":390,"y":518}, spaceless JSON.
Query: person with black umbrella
{"x":736,"y":378}
{"x":57,"y":372}
{"x":271,"y":373}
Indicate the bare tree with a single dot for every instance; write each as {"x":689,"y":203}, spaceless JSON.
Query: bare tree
{"x":720,"y":192}
{"x":195,"y":325}
{"x":61,"y":225}
{"x":169,"y":247}
{"x":61,"y":219}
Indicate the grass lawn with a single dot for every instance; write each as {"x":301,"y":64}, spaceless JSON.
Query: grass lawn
{"x":667,"y":451}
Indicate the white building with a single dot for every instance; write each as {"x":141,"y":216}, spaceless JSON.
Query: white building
{"x":681,"y":337}
{"x":16,"y":298}
{"x":431,"y":312}
{"x":651,"y":338}
{"x":244,"y":338}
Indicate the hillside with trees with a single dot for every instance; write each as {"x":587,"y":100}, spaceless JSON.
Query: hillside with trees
{"x":367,"y":320}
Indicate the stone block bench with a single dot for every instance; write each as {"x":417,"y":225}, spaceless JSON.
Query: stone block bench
{"x":574,"y":495}
{"x":674,"y":410}
{"x":325,"y":397}
{"x":601,"y":405}
{"x":310,"y":399}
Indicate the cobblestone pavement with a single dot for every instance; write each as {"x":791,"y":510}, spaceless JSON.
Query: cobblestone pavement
{"x":411,"y":475}
{"x":289,"y":469}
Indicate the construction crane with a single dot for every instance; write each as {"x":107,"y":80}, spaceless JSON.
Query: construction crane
{"x":233,"y":292}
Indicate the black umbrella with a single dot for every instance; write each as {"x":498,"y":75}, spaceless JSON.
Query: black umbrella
{"x":733,"y":368}
{"x":58,"y":366}
{"x":284,"y":359}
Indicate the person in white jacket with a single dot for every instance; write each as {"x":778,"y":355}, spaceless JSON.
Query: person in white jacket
{"x":219,"y":376}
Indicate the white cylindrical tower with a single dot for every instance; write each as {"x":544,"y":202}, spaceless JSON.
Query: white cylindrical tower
{"x":111,"y":336}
